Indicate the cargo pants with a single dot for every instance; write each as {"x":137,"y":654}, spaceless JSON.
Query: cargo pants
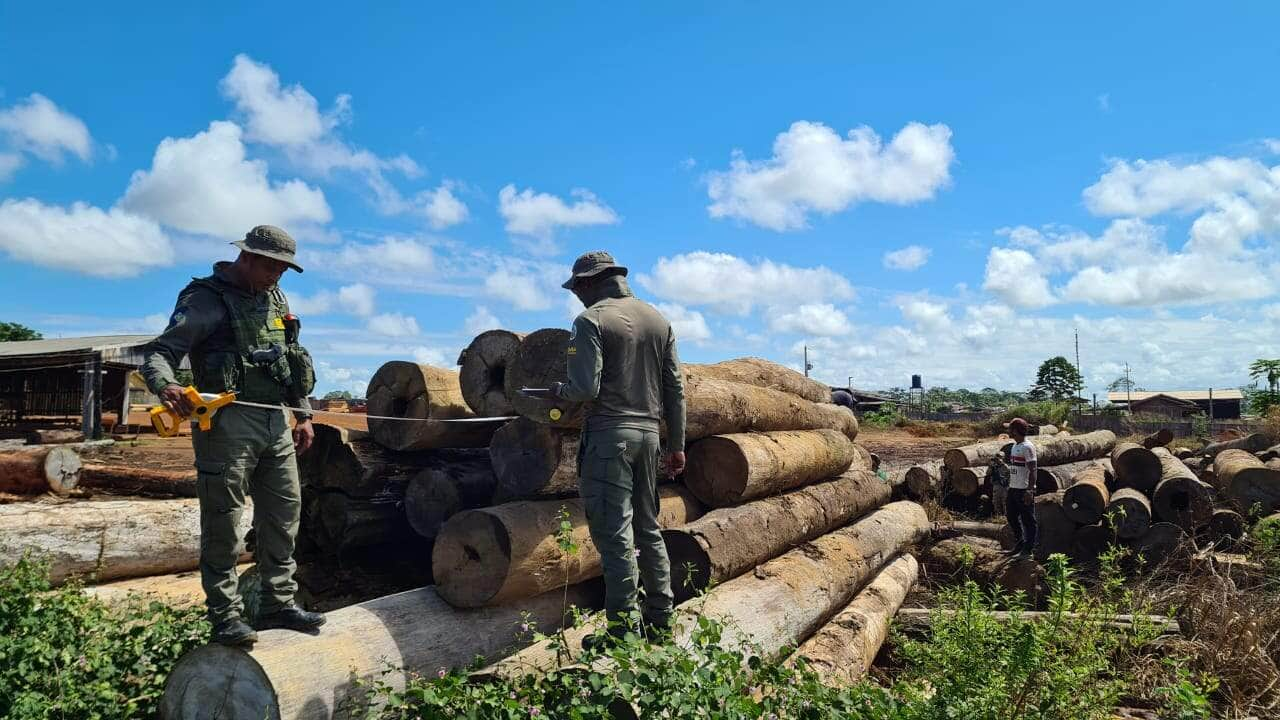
{"x":618,"y":481}
{"x":248,"y":451}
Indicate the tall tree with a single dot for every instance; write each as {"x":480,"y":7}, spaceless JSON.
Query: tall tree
{"x":1269,"y":369}
{"x":1057,"y":379}
{"x":14,"y":331}
{"x":337,"y":395}
{"x":1123,"y":384}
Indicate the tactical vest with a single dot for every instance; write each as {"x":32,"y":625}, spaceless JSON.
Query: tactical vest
{"x":223,"y":364}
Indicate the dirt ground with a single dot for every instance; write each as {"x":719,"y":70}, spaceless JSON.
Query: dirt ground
{"x":899,"y":450}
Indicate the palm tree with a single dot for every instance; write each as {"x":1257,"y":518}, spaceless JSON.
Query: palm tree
{"x":1270,"y":369}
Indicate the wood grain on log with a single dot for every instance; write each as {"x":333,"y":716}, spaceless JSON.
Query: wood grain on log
{"x":438,"y":493}
{"x":1251,"y":443}
{"x":763,"y":373}
{"x":1136,"y":467}
{"x":347,"y":461}
{"x":532,"y":460}
{"x":1130,"y":513}
{"x":108,"y":539}
{"x":539,"y":362}
{"x":356,"y":523}
{"x":1180,"y":497}
{"x":54,"y":436}
{"x":1247,"y":481}
{"x":727,"y":542}
{"x":147,"y":482}
{"x":40,"y":469}
{"x":721,"y":407}
{"x":1225,"y":526}
{"x":422,"y":393}
{"x":842,"y":650}
{"x":294,"y":676}
{"x":1086,"y":500}
{"x":1053,"y":478}
{"x":500,"y":554}
{"x":1161,"y":540}
{"x":986,"y":563}
{"x":1055,"y":528}
{"x":483,"y":372}
{"x":729,"y":469}
{"x":967,"y":481}
{"x":926,"y":481}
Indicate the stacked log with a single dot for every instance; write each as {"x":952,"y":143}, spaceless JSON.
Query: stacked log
{"x":533,"y":460}
{"x":1052,"y":478}
{"x":1136,"y":466}
{"x":1180,"y":497}
{"x":1063,"y":449}
{"x":729,"y":469}
{"x":1159,"y":438}
{"x":1057,"y":530}
{"x":1247,"y":481}
{"x":39,"y":469}
{"x":720,"y":407}
{"x":413,"y":394}
{"x":765,"y":374}
{"x":926,"y":481}
{"x":1086,"y":500}
{"x":967,"y":481}
{"x":1130,"y":513}
{"x":985,"y":562}
{"x":483,"y":373}
{"x":146,"y":482}
{"x":436,"y":494}
{"x":1251,"y":443}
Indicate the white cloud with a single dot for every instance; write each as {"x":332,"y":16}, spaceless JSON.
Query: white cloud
{"x":808,"y":319}
{"x":432,"y":356}
{"x":730,"y":284}
{"x":1104,"y":102}
{"x":573,"y":306}
{"x":481,"y":320}
{"x":9,"y":164}
{"x":442,"y":208}
{"x":925,"y":314}
{"x":40,"y":127}
{"x":1145,"y":188}
{"x":85,"y":239}
{"x":1015,"y":277}
{"x":390,"y":255}
{"x":1173,"y":279}
{"x":320,"y":303}
{"x":911,"y":257}
{"x":521,"y":289}
{"x":394,"y":325}
{"x":689,"y":325}
{"x":539,"y":215}
{"x":356,"y":299}
{"x":204,"y":184}
{"x":815,"y":170}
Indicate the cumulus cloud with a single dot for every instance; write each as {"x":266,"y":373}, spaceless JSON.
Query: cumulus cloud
{"x":356,"y":299}
{"x":733,"y":285}
{"x":385,"y":259}
{"x":204,"y":184}
{"x":442,"y":208}
{"x":38,"y":126}
{"x":320,"y":303}
{"x":522,"y":290}
{"x":689,"y":325}
{"x":481,"y":320}
{"x":539,"y":215}
{"x":808,"y":319}
{"x":394,"y":325}
{"x":1015,"y":277}
{"x":911,"y":257}
{"x":813,"y":169}
{"x":924,"y":313}
{"x":1145,"y":188}
{"x":106,"y":243}
{"x":9,"y":164}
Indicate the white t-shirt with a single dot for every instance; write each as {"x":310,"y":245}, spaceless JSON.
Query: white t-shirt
{"x":1021,"y":454}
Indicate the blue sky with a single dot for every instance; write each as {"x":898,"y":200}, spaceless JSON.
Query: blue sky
{"x":943,"y":190}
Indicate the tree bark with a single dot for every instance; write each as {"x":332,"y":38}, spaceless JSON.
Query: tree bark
{"x":1063,"y":449}
{"x":356,"y":523}
{"x":438,"y":493}
{"x":484,"y":372}
{"x":765,"y":374}
{"x":1247,"y":481}
{"x":842,"y":651}
{"x":1225,"y":526}
{"x":504,"y":553}
{"x":539,"y":362}
{"x":1180,"y":498}
{"x":974,"y":455}
{"x":54,"y":436}
{"x":984,"y":562}
{"x":1270,"y":453}
{"x":109,"y":539}
{"x":54,"y":469}
{"x":967,"y":481}
{"x":423,"y":393}
{"x":1159,"y":438}
{"x":729,"y":469}
{"x":727,"y":542}
{"x":532,"y":460}
{"x":926,"y":481}
{"x":1090,"y":541}
{"x":1161,"y":540}
{"x":1130,"y":511}
{"x":1136,"y":467}
{"x":999,"y":532}
{"x":294,"y":676}
{"x":1086,"y":500}
{"x":345,"y":460}
{"x":1252,"y":443}
{"x":181,"y":589}
{"x":139,"y":481}
{"x":1056,"y":529}
{"x":720,"y":407}
{"x":1053,"y":478}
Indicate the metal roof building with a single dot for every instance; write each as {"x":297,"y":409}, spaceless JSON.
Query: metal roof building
{"x":1218,"y":403}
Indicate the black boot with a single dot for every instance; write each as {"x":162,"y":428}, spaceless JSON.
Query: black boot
{"x":234,"y":632}
{"x":657,"y":630}
{"x":291,"y":617}
{"x":617,"y":625}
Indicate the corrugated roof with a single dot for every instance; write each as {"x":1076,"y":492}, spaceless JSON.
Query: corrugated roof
{"x":58,"y":346}
{"x":1218,"y":394}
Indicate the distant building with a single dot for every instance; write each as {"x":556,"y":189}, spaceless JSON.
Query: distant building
{"x":1220,"y":404}
{"x":864,"y":401}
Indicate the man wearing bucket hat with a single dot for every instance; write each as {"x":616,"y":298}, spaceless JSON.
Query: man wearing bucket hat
{"x":622,"y":360}
{"x":236,"y":328}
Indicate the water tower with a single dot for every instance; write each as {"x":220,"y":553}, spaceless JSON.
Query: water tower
{"x":915,"y":395}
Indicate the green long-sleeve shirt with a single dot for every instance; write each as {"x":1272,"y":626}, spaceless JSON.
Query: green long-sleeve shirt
{"x":622,"y":360}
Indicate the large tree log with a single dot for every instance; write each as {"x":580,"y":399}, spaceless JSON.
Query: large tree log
{"x":109,"y":539}
{"x":294,"y":676}
{"x":1000,"y":532}
{"x":784,"y":601}
{"x":1090,"y":541}
{"x":914,"y":617}
{"x":438,"y":493}
{"x":973,"y":455}
{"x":356,"y":523}
{"x":347,"y":461}
{"x":539,"y":362}
{"x":54,"y":436}
{"x":504,"y":553}
{"x":1130,"y":513}
{"x":1252,"y":443}
{"x":532,"y":460}
{"x":1270,"y":453}
{"x":1159,"y":438}
{"x":1180,"y":497}
{"x":1136,"y":467}
{"x":1086,"y":500}
{"x":1225,"y":527}
{"x":842,"y":651}
{"x":139,"y":481}
{"x":727,"y":542}
{"x":1056,"y":529}
{"x":1161,"y":540}
{"x":1052,"y":478}
{"x":483,"y":376}
{"x":1063,"y":449}
{"x":967,"y":481}
{"x":984,"y":562}
{"x":1248,"y":481}
{"x":763,"y":373}
{"x":40,"y":469}
{"x":729,"y":469}
{"x":178,"y":589}
{"x":926,"y":481}
{"x":720,"y":407}
{"x":423,"y":393}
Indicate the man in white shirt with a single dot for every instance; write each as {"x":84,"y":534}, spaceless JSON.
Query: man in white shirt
{"x":1021,"y":503}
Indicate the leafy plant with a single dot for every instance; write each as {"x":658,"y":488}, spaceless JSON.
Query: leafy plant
{"x":13,"y":331}
{"x":1056,"y":379}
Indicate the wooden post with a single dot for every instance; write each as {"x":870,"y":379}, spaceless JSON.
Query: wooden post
{"x":90,"y":403}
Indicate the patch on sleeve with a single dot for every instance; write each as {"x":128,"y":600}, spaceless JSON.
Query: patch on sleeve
{"x":572,"y":350}
{"x":278,"y":323}
{"x":178,"y":316}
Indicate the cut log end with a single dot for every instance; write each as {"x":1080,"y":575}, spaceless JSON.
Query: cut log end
{"x":1130,"y":513}
{"x":483,"y":374}
{"x":476,"y":554}
{"x":690,"y":564}
{"x":538,"y":362}
{"x":216,"y":676}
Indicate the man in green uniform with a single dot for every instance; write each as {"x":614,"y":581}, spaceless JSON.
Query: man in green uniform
{"x":236,"y":328}
{"x":622,"y":361}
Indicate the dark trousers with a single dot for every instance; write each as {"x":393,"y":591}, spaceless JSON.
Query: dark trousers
{"x":1022,"y":517}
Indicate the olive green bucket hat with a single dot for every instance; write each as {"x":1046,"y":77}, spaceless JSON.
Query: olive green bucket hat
{"x":591,"y":265}
{"x":270,"y":241}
